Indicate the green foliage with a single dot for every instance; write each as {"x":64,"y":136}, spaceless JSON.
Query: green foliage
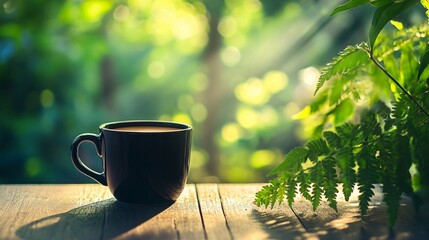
{"x":329,"y":172}
{"x":380,"y":139}
{"x":343,"y":111}
{"x":425,"y":4}
{"x":384,"y":13}
{"x":349,"y":5}
{"x":348,"y":60}
{"x":292,"y":161}
{"x":424,"y":62}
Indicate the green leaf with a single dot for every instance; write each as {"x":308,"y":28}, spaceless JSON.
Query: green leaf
{"x":336,"y":92}
{"x":345,"y":131}
{"x":347,"y":60}
{"x":356,"y":95}
{"x":366,"y":178}
{"x":349,"y":5}
{"x":384,"y":14}
{"x":404,"y":163}
{"x":392,"y":197}
{"x":392,"y":66}
{"x":291,"y":191}
{"x":425,"y":4}
{"x":304,"y":185}
{"x":330,"y":181}
{"x":369,"y":124}
{"x":317,"y":180}
{"x":272,"y":193}
{"x":346,"y":163}
{"x":379,"y":3}
{"x":263,"y":196}
{"x":343,"y":111}
{"x":291,"y":162}
{"x":389,"y":162}
{"x":318,"y":101}
{"x":424,"y":62}
{"x":332,"y":139}
{"x":281,"y":193}
{"x":381,"y":82}
{"x":409,"y":66}
{"x":317,"y":146}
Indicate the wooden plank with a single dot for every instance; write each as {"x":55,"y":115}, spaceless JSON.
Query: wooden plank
{"x":347,"y":223}
{"x":133,"y":221}
{"x":408,"y":225}
{"x":326,"y":222}
{"x":214,"y":221}
{"x":51,"y":211}
{"x":247,"y":221}
{"x":88,"y":211}
{"x":186,"y":215}
{"x":180,"y":220}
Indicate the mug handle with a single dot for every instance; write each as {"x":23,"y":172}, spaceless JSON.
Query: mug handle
{"x":96,"y":140}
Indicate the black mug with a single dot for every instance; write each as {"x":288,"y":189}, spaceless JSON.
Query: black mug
{"x":144,"y":161}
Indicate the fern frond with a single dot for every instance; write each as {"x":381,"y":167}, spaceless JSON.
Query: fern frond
{"x":317,"y":146}
{"x":345,"y":131}
{"x":291,"y":191}
{"x":269,"y":194}
{"x":263,"y":196}
{"x":400,"y":109}
{"x":392,"y":197}
{"x":332,"y":139}
{"x":330,"y":182}
{"x":367,"y":177}
{"x":304,"y":185}
{"x":346,"y":163}
{"x":389,"y":163}
{"x":281,"y":193}
{"x":292,"y":161}
{"x":403,"y":151}
{"x":317,"y":184}
{"x":348,"y":60}
{"x":370,"y":126}
{"x":418,"y":127}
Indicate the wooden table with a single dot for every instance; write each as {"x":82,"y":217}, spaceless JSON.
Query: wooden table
{"x":204,"y":211}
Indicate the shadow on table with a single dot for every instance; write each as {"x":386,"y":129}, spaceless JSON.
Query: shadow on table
{"x":104,"y":219}
{"x":346,"y":225}
{"x":278,"y":225}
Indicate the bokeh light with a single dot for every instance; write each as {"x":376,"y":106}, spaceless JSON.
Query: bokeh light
{"x":239,"y":71}
{"x":252,"y":92}
{"x":47,"y":98}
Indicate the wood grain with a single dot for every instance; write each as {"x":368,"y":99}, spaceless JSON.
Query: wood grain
{"x":57,"y":211}
{"x":247,"y":221}
{"x":181,"y":220}
{"x":203,"y":211}
{"x":347,"y":223}
{"x":214,"y":221}
{"x":90,"y":212}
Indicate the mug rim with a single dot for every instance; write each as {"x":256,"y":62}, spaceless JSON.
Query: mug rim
{"x":181,"y":127}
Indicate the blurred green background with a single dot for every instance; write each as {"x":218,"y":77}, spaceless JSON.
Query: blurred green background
{"x":237,"y":70}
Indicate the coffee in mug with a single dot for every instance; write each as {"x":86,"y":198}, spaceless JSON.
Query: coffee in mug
{"x":143,"y":161}
{"x":147,"y":129}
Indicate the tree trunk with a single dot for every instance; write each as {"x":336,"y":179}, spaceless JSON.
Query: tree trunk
{"x":212,"y":96}
{"x":107,"y":75}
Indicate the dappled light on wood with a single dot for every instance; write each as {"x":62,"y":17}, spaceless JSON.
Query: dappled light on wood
{"x":204,"y":211}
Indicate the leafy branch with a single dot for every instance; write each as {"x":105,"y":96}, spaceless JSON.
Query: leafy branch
{"x":398,"y":84}
{"x":391,"y":134}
